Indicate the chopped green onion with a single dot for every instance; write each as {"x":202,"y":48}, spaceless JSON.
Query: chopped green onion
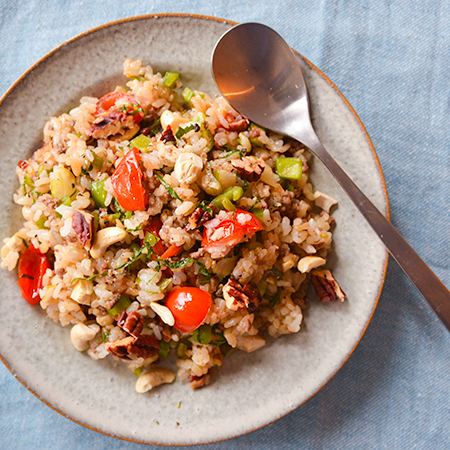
{"x":123,"y":303}
{"x":105,"y":337}
{"x":199,"y":118}
{"x":150,"y":239}
{"x":262,"y":287}
{"x":288,"y":186}
{"x":99,"y":193}
{"x":232,"y":152}
{"x":187,"y":95}
{"x":209,"y":137}
{"x":255,"y":141}
{"x":98,"y":162}
{"x":202,"y":335}
{"x":28,"y":181}
{"x":141,"y":142}
{"x":290,"y":168}
{"x":181,"y":349}
{"x":182,"y":131}
{"x":168,"y":187}
{"x":163,"y":285}
{"x":89,"y":278}
{"x":170,"y":78}
{"x":258,"y":212}
{"x":164,"y":349}
{"x":137,"y":77}
{"x":67,"y":199}
{"x":41,"y":223}
{"x":223,"y":201}
{"x":138,"y":371}
{"x":123,"y":213}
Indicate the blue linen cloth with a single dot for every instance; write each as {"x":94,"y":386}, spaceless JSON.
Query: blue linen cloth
{"x":391,"y":61}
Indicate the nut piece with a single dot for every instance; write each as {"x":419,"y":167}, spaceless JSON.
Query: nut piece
{"x":238,"y":125}
{"x":82,"y":292}
{"x":82,"y":225}
{"x":324,"y":201}
{"x":306,"y":264}
{"x":249,"y":168}
{"x":152,"y":378}
{"x":132,"y":323}
{"x":81,"y":334}
{"x":141,"y":347}
{"x":116,"y":122}
{"x":239,"y":297}
{"x":198,"y":382}
{"x":250,"y":343}
{"x":172,"y":120}
{"x":327,"y":288}
{"x":188,"y":167}
{"x":164,"y":313}
{"x":104,"y":238}
{"x":198,"y":218}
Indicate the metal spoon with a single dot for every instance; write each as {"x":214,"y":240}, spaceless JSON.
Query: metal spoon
{"x":259,"y":75}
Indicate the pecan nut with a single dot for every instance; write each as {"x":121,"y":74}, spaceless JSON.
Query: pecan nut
{"x":198,"y":382}
{"x":198,"y":218}
{"x":238,"y":297}
{"x":326,"y":287}
{"x":132,"y":323}
{"x":116,"y":122}
{"x":249,"y":168}
{"x":82,"y":225}
{"x":141,"y":347}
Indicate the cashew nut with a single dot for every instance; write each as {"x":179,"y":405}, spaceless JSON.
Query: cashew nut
{"x":155,"y":377}
{"x":82,"y":291}
{"x":81,"y":334}
{"x":164,"y":313}
{"x":250,"y":343}
{"x":324,"y":201}
{"x":172,"y":119}
{"x":310,"y":262}
{"x":104,"y":238}
{"x":188,"y":167}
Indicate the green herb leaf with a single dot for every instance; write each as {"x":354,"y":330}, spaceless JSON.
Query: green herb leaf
{"x":236,"y":150}
{"x":169,"y":188}
{"x":28,"y":277}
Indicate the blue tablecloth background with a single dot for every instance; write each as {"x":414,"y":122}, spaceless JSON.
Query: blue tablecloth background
{"x":391,"y":60}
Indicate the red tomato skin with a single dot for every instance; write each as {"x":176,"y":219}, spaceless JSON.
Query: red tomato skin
{"x":106,"y":104}
{"x":153,"y":227}
{"x":189,"y":307}
{"x":127,"y":183}
{"x":233,"y":228}
{"x":32,"y":263}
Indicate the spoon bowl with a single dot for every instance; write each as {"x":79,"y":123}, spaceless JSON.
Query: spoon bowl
{"x":259,"y":75}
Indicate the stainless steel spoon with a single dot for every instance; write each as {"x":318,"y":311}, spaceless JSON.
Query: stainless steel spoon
{"x":259,"y":75}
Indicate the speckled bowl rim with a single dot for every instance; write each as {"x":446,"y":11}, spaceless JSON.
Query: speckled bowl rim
{"x":366,"y":135}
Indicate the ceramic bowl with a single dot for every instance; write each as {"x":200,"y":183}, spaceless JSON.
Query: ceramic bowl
{"x":250,"y":390}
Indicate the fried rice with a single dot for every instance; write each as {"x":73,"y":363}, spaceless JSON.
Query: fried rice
{"x":218,"y":204}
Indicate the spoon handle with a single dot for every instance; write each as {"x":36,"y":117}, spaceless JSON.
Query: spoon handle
{"x":426,"y":282}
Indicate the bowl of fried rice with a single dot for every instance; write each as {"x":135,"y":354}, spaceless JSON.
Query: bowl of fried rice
{"x":174,"y":273}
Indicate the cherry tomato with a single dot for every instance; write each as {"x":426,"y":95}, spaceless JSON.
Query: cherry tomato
{"x":233,"y":226}
{"x":107,"y":104}
{"x":32,"y":267}
{"x":127,"y":183}
{"x":189,"y":306}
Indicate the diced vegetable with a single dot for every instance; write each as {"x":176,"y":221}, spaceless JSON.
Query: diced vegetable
{"x":41,"y":223}
{"x":258,"y":212}
{"x":138,"y":371}
{"x":202,"y":335}
{"x":223,"y":201}
{"x":123,"y":303}
{"x":184,"y":130}
{"x":127,"y":182}
{"x":67,"y":199}
{"x":173,"y":250}
{"x":187,"y":95}
{"x":152,"y":236}
{"x":189,"y":307}
{"x":63,"y":183}
{"x":99,"y":193}
{"x":98,"y":162}
{"x":199,"y":118}
{"x":170,"y":78}
{"x":290,"y":168}
{"x":226,"y":178}
{"x":163,"y":284}
{"x":32,"y":267}
{"x":164,"y":349}
{"x":141,"y":142}
{"x":181,"y":350}
{"x":107,"y":104}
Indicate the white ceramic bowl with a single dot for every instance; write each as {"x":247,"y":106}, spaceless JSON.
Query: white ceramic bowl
{"x":249,"y":391}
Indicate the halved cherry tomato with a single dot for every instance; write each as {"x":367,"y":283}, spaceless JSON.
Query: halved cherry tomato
{"x":189,"y":307}
{"x":232,"y":227}
{"x":127,"y":182}
{"x":173,"y":250}
{"x":32,"y":267}
{"x":107,"y":103}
